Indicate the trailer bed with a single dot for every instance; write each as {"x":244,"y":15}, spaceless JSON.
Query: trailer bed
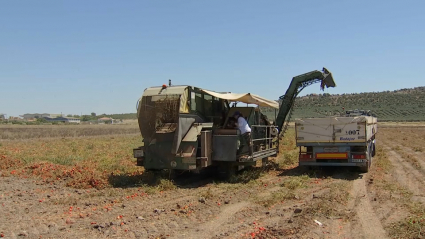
{"x":332,"y":130}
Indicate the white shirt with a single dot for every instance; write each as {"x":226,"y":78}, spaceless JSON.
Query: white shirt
{"x":243,"y":125}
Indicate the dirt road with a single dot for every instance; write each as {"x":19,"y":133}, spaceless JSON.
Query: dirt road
{"x":281,"y":202}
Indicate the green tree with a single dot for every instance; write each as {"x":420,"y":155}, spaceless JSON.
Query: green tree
{"x":41,"y":120}
{"x":86,"y":118}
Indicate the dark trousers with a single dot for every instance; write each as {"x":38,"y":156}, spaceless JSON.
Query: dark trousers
{"x":248,"y":142}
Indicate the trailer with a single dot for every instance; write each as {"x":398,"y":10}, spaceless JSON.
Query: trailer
{"x":337,"y":141}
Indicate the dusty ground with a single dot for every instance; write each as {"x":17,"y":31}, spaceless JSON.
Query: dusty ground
{"x":280,"y":202}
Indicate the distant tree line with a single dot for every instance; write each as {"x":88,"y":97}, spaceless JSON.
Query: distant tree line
{"x":398,"y":105}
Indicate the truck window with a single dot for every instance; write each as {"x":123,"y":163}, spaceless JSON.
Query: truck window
{"x":192,"y":101}
{"x":198,"y":106}
{"x":208,"y":105}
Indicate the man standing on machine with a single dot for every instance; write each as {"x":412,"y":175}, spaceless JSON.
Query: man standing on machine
{"x":243,"y":126}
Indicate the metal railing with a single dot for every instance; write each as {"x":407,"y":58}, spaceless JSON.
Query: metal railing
{"x":265,"y":133}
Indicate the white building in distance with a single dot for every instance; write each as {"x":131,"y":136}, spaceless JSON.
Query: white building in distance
{"x":39,"y":116}
{"x":63,"y":120}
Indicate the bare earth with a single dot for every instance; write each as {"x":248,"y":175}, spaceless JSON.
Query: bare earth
{"x":281,"y":203}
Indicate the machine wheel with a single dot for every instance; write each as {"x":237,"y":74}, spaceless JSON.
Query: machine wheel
{"x":264,"y":162}
{"x":226,"y":171}
{"x":150,"y":176}
{"x":172,"y":174}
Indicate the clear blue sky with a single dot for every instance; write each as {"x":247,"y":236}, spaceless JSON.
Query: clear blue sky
{"x":98,"y":56}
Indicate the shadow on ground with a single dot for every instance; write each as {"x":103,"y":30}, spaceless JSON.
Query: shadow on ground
{"x":210,"y":175}
{"x":161,"y":177}
{"x":185,"y":179}
{"x":345,"y":173}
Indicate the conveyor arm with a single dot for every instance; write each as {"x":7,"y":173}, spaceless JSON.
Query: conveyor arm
{"x":298,"y":83}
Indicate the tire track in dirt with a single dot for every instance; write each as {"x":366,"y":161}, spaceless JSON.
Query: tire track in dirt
{"x":278,"y":217}
{"x":393,"y":184}
{"x":409,"y":177}
{"x":360,"y":203}
{"x":160,"y":204}
{"x":418,"y":156}
{"x":173,"y":213}
{"x":240,"y":218}
{"x":211,"y":228}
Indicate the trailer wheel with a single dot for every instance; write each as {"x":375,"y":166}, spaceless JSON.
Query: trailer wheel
{"x":373,"y":150}
{"x":365,"y":169}
{"x":371,"y":156}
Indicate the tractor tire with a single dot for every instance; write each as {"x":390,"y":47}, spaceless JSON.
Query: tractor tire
{"x":264,"y":162}
{"x":366,"y":168}
{"x":226,"y":171}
